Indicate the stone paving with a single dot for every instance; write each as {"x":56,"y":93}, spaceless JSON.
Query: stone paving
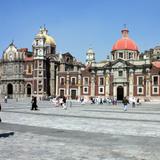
{"x":82,"y":132}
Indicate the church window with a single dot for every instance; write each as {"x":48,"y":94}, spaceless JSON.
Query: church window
{"x":130,"y":55}
{"x":85,"y":90}
{"x":155,"y":89}
{"x":155,"y":80}
{"x":62,"y":91}
{"x":36,"y":42}
{"x":73,"y":80}
{"x":140,"y":90}
{"x":140,"y":81}
{"x":16,"y":69}
{"x":29,"y":69}
{"x":120,"y":55}
{"x":40,"y":73}
{"x":101,"y":90}
{"x":62,"y":80}
{"x":67,"y":59}
{"x":120,"y":73}
{"x":40,"y":64}
{"x":85,"y":80}
{"x":36,"y":52}
{"x":101,"y":81}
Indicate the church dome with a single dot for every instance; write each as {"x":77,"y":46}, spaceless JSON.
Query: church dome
{"x":48,"y":39}
{"x":125,"y":43}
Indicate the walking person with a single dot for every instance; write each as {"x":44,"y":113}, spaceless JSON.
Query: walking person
{"x":133,"y":102}
{"x":64,"y":103}
{"x":125,"y":103}
{"x":5,"y":99}
{"x":34,"y":103}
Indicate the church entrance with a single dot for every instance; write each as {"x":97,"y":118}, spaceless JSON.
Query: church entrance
{"x":73,"y":94}
{"x":28,"y":90}
{"x":62,"y":92}
{"x":120,"y":93}
{"x":10,"y":90}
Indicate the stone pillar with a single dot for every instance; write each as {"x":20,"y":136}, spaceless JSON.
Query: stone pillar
{"x":131,"y":86}
{"x":114,"y":90}
{"x":148,"y":85}
{"x":93,"y":86}
{"x":107,"y":85}
{"x":57,"y":86}
{"x":125,"y":90}
{"x":79,"y":85}
{"x":52,"y":79}
{"x":67,"y":86}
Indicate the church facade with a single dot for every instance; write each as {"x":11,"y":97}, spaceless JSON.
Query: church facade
{"x":43,"y":72}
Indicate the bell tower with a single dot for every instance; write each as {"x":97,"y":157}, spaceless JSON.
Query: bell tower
{"x":90,"y":56}
{"x":42,"y":46}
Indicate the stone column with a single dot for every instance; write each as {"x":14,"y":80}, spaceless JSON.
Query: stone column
{"x":79,"y":85}
{"x":148,"y":85}
{"x":57,"y":86}
{"x":107,"y":85}
{"x":67,"y":86}
{"x":93,"y":86}
{"x":52,"y":79}
{"x":131,"y":86}
{"x":114,"y":90}
{"x":125,"y":90}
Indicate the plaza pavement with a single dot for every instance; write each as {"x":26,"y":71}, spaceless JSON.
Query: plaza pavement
{"x":82,"y":132}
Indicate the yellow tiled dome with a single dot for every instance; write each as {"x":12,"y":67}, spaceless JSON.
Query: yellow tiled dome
{"x":48,"y":39}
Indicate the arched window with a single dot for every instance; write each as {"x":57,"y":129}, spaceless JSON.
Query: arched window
{"x":29,"y":69}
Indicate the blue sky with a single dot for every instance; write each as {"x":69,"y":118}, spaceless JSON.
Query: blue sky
{"x":77,"y":25}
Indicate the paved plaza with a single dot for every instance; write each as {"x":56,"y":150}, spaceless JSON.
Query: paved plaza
{"x":82,"y":132}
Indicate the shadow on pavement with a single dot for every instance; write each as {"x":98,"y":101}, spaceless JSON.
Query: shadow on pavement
{"x":5,"y":135}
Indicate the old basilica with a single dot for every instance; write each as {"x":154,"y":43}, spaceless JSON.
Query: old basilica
{"x":43,"y":72}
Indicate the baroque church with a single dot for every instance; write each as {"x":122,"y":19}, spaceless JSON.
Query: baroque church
{"x":43,"y":72}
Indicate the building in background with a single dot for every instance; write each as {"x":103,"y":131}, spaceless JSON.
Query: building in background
{"x":44,"y":72}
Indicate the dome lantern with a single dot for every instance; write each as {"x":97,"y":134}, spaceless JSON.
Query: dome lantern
{"x":125,"y":43}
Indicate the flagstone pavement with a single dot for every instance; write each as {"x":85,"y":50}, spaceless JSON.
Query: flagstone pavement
{"x":82,"y":132}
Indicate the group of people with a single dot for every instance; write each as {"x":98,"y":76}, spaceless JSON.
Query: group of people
{"x":60,"y":101}
{"x":132,"y":101}
{"x":57,"y":101}
{"x":100,"y":100}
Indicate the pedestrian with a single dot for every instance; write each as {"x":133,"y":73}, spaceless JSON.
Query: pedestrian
{"x":101,"y":101}
{"x":34,"y":103}
{"x":133,"y":102}
{"x":5,"y":99}
{"x":125,"y":103}
{"x":64,"y":103}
